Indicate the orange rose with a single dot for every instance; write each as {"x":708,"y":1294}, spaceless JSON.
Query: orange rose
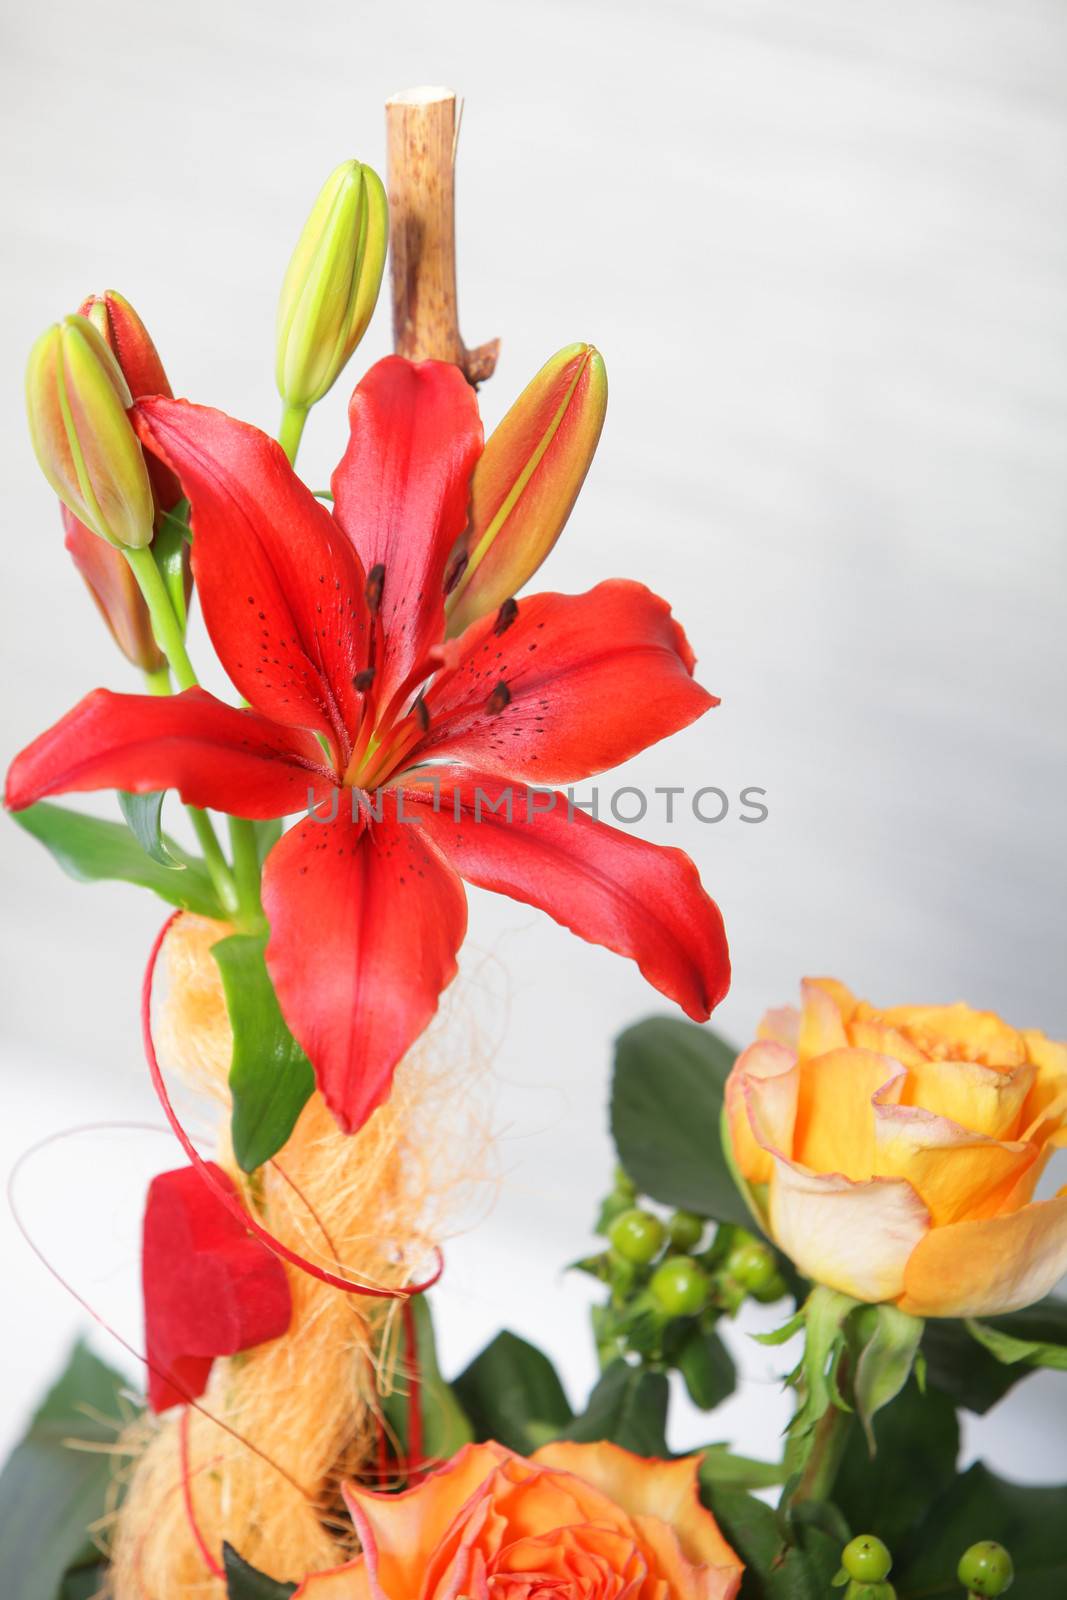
{"x":575,"y":1522}
{"x":894,"y":1154}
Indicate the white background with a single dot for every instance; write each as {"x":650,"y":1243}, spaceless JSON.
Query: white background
{"x":822,"y":247}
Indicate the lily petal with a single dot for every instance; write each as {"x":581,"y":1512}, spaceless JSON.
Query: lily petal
{"x":401,"y":493}
{"x":527,"y":481}
{"x":213,"y":754}
{"x":997,"y":1264}
{"x":365,"y":920}
{"x":589,"y":680}
{"x":641,"y":900}
{"x":281,"y":587}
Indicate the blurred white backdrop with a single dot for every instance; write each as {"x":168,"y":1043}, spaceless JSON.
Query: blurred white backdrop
{"x":822,"y":248}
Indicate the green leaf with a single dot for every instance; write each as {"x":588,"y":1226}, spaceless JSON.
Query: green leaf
{"x":92,"y":851}
{"x":143,"y":813}
{"x":971,"y":1373}
{"x":244,"y":1582}
{"x":270,"y":1076}
{"x":826,"y":1313}
{"x":52,"y":1492}
{"x":84,"y":1582}
{"x":168,"y":547}
{"x":917,"y":1438}
{"x":773,"y":1569}
{"x":1010,"y":1350}
{"x":720,"y":1467}
{"x":628,"y":1407}
{"x":667,"y":1096}
{"x":445,"y":1427}
{"x":1029,"y":1522}
{"x":884,"y":1341}
{"x":512,"y":1394}
{"x":707,"y":1368}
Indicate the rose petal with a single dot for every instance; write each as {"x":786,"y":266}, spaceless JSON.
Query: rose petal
{"x":399,"y":1532}
{"x":955,"y":1172}
{"x":855,"y":1237}
{"x":986,"y":1267}
{"x":667,"y":1490}
{"x":835,"y":1110}
{"x":958,"y":1033}
{"x":761,"y":1107}
{"x":781,"y":1025}
{"x":825,"y":1006}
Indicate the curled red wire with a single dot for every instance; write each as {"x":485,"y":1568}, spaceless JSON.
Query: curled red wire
{"x":230,"y":1201}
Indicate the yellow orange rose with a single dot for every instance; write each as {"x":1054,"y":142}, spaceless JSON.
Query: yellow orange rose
{"x":575,"y":1521}
{"x":894,"y":1154}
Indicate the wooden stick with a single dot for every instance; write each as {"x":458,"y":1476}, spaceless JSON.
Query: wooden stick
{"x":421,"y":134}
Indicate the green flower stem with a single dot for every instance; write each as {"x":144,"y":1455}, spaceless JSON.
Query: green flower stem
{"x":291,"y":430}
{"x":233,"y":896}
{"x":158,"y":682}
{"x":819,"y":1474}
{"x":246,"y":869}
{"x":164,"y":623}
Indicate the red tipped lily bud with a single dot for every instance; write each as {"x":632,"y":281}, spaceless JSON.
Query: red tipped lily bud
{"x":130,"y":343}
{"x":113,"y":586}
{"x":331,"y":286}
{"x":77,"y":401}
{"x":527,"y":481}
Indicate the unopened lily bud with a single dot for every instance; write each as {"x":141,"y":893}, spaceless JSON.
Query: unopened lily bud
{"x":129,"y":341}
{"x":111,"y":582}
{"x":526,"y":482}
{"x":331,"y":286}
{"x":77,"y":401}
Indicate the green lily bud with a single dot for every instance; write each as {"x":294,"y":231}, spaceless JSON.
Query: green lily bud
{"x":332,"y":283}
{"x":77,"y":399}
{"x":526,"y":482}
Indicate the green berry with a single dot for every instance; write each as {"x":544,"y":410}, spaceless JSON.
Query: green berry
{"x":776,"y":1289}
{"x":986,"y":1569}
{"x":685,"y":1230}
{"x":866,"y":1559}
{"x":680,"y":1287}
{"x":752,"y":1265}
{"x":637,"y":1236}
{"x":624,"y":1184}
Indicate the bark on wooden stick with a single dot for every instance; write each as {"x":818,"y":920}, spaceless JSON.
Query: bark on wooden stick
{"x":421,"y":129}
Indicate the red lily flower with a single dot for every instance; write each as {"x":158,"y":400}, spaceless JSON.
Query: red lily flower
{"x":333,"y":628}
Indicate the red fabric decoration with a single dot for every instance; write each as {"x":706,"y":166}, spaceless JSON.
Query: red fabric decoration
{"x":210,"y":1287}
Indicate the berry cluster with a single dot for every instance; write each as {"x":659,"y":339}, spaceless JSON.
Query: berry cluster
{"x":669,"y":1279}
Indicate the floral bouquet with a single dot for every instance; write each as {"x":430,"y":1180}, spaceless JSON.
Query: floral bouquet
{"x":406,"y":717}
